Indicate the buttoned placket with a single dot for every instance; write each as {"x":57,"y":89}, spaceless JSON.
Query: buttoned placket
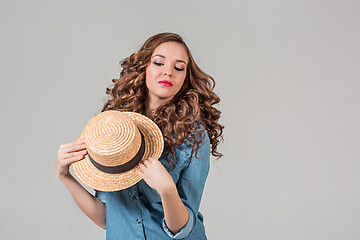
{"x":134,"y":195}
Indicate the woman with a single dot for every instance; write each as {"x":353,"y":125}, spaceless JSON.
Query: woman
{"x":163,"y":82}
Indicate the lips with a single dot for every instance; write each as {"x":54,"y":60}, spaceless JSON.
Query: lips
{"x":165,"y":83}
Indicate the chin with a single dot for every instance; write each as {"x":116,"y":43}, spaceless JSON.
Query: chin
{"x":162,"y":95}
{"x":166,"y":97}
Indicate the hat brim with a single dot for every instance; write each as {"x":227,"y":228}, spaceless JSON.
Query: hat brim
{"x":88,"y":174}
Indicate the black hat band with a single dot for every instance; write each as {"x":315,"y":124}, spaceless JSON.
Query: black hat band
{"x":123,"y":167}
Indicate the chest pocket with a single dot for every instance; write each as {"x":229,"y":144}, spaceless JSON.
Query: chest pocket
{"x":148,"y":196}
{"x":175,"y":169}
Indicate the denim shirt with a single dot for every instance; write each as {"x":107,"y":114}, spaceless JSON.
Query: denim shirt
{"x":137,"y":212}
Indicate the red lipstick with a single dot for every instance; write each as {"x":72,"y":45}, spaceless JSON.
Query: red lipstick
{"x":165,"y":83}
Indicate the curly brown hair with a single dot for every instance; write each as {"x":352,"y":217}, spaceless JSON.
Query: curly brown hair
{"x":183,"y":114}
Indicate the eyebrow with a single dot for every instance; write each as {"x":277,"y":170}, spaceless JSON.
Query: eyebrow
{"x":162,"y":56}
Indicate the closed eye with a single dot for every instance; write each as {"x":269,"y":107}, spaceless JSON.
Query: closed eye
{"x":179,"y":69}
{"x":176,"y":68}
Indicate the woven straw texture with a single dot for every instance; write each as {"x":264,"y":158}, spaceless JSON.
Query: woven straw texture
{"x":112,"y":139}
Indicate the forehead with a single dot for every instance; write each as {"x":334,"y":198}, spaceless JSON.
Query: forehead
{"x":172,"y":51}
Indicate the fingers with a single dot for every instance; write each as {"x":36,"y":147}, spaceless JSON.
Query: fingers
{"x":139,"y":172}
{"x":72,"y":147}
{"x":150,"y":159}
{"x":70,"y":152}
{"x":65,"y":159}
{"x":71,"y":160}
{"x":142,"y":166}
{"x":74,"y":154}
{"x":145,"y":162}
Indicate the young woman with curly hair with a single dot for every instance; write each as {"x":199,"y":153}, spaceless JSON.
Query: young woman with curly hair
{"x":162,"y":82}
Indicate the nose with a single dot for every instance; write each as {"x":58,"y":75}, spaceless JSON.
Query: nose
{"x":168,"y":72}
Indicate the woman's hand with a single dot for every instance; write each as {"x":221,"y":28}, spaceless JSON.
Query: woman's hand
{"x":156,"y":176}
{"x":67,"y":154}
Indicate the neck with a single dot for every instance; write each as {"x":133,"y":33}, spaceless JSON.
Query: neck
{"x":153,"y":104}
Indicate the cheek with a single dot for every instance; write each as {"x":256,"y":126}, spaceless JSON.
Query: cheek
{"x":181,"y":79}
{"x":151,"y":73}
{"x":148,"y":75}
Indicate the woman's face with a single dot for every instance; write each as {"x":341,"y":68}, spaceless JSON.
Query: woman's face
{"x":166,"y":72}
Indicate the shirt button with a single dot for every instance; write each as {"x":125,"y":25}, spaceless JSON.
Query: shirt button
{"x":138,"y":221}
{"x":133,"y":197}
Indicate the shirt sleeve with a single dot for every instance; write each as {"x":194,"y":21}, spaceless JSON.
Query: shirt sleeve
{"x":190,"y":188}
{"x":185,"y":231}
{"x":101,"y":196}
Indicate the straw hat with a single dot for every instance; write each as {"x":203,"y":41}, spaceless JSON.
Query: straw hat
{"x":116,"y":142}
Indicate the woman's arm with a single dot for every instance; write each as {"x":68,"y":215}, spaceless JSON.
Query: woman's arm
{"x":175,"y":213}
{"x":155,"y":175}
{"x":90,"y":205}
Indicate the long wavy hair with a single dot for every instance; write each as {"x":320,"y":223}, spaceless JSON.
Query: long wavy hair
{"x":180,"y":118}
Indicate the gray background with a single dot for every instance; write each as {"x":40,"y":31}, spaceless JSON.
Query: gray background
{"x":287,"y":73}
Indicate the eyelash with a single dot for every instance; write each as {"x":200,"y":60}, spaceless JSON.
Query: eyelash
{"x":176,"y":68}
